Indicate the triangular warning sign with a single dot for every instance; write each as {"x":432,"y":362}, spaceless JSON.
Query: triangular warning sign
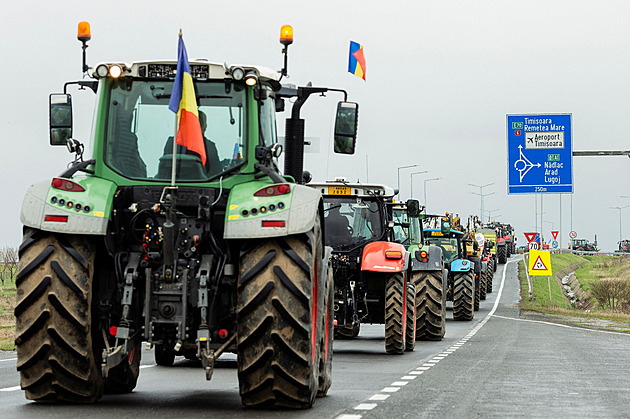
{"x":539,"y":265}
{"x":530,"y":237}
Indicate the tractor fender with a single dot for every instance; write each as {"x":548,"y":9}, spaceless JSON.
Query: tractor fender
{"x":476,"y":265}
{"x":435,"y":259}
{"x":53,"y":209}
{"x":290,"y":213}
{"x":462,"y":265}
{"x":484,"y":266}
{"x":374,"y":259}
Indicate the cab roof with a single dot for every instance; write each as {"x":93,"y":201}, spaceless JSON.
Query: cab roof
{"x":353,"y":189}
{"x":200,"y":69}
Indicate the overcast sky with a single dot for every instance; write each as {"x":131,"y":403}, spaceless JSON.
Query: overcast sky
{"x":441,"y":77}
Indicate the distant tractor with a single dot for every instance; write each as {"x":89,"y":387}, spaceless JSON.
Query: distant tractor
{"x":583,"y":245}
{"x":624,"y":246}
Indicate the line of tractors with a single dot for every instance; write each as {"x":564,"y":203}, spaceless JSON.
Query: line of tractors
{"x":197,"y":254}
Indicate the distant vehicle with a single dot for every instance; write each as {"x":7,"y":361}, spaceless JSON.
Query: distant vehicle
{"x":583,"y":245}
{"x":624,"y":246}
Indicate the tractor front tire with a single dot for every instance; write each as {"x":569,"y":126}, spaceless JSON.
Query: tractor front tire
{"x":430,"y":305}
{"x":57,"y":358}
{"x":464,"y":296}
{"x":489,"y":278}
{"x":410,"y":339}
{"x":395,"y":314}
{"x":280,"y":285}
{"x":164,"y":356}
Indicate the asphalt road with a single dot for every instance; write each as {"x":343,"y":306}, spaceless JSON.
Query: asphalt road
{"x":498,"y":365}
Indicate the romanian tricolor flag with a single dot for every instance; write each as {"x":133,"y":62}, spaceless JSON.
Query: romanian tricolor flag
{"x":356,"y":60}
{"x":184,"y":104}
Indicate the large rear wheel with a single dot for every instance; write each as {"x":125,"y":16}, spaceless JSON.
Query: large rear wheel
{"x":410,"y":338}
{"x":483,"y":287}
{"x":278,"y":315}
{"x":326,"y":337}
{"x":395,"y":314}
{"x":463,"y":296}
{"x":430,"y":305}
{"x":501,"y":254}
{"x":57,"y":360}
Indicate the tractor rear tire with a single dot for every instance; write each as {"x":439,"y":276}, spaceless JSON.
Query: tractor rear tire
{"x":164,"y":356}
{"x":501,"y":254}
{"x":410,"y":339}
{"x":281,"y":281}
{"x":430,"y":305}
{"x":124,"y":377}
{"x":495,"y":264}
{"x":477,"y":301}
{"x":395,"y":314}
{"x":483,"y":286}
{"x":327,"y":335}
{"x":463,"y":296}
{"x":489,"y":278}
{"x":57,"y":358}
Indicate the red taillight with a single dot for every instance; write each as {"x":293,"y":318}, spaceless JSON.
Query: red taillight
{"x":223,"y":333}
{"x":274,"y":190}
{"x":423,"y":254}
{"x":56,"y":218}
{"x":393,"y":254}
{"x":113,"y":330}
{"x":66,"y":185}
{"x":273,"y":224}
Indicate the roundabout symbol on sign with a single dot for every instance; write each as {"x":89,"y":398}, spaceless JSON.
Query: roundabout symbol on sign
{"x":573,"y":234}
{"x":533,"y":246}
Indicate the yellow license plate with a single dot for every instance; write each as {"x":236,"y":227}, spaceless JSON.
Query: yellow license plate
{"x":339,"y":190}
{"x":437,"y":233}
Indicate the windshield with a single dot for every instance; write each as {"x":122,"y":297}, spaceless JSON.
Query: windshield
{"x":448,"y":245}
{"x":351,"y":221}
{"x":141,"y":127}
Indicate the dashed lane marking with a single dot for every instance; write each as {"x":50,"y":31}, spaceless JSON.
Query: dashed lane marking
{"x":16,"y":388}
{"x":10,"y":359}
{"x":397,"y":385}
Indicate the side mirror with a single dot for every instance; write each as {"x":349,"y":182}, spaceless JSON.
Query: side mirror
{"x":60,"y":118}
{"x":346,"y":123}
{"x":413,"y":208}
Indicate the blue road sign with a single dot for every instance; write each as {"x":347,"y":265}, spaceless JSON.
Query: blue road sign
{"x":540,"y":153}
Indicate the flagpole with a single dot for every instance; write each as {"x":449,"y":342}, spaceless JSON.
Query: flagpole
{"x":174,"y":163}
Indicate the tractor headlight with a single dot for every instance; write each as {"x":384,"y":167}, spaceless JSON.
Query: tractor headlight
{"x":102,"y":70}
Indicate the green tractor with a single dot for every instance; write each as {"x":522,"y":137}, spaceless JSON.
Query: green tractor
{"x":144,"y":242}
{"x":427,"y":269}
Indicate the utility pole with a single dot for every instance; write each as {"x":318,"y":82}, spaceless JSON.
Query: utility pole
{"x":402,"y":167}
{"x":620,"y":208}
{"x":411,"y":181}
{"x":425,"y":191}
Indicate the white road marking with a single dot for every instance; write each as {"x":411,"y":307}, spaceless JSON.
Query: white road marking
{"x":562,"y":325}
{"x":416,"y":372}
{"x":146,"y":366}
{"x":398,"y":383}
{"x":380,"y":397}
{"x":10,"y":359}
{"x":408,"y":377}
{"x":346,"y":416}
{"x":428,"y":365}
{"x":424,"y":367}
{"x":365,"y":406}
{"x":16,"y":388}
{"x":390,"y":389}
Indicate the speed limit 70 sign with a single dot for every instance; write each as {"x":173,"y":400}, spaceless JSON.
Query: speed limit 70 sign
{"x":533,"y":246}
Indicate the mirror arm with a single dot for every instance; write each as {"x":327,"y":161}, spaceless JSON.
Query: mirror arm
{"x":92,"y":84}
{"x":82,"y":166}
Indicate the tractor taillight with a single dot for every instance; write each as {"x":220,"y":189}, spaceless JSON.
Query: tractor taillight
{"x":423,"y":254}
{"x":273,"y":223}
{"x":393,"y":254}
{"x":274,"y":190}
{"x":66,"y":185}
{"x":56,"y":218}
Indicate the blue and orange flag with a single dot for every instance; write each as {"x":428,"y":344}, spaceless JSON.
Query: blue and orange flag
{"x":184,"y":103}
{"x":356,"y":60}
